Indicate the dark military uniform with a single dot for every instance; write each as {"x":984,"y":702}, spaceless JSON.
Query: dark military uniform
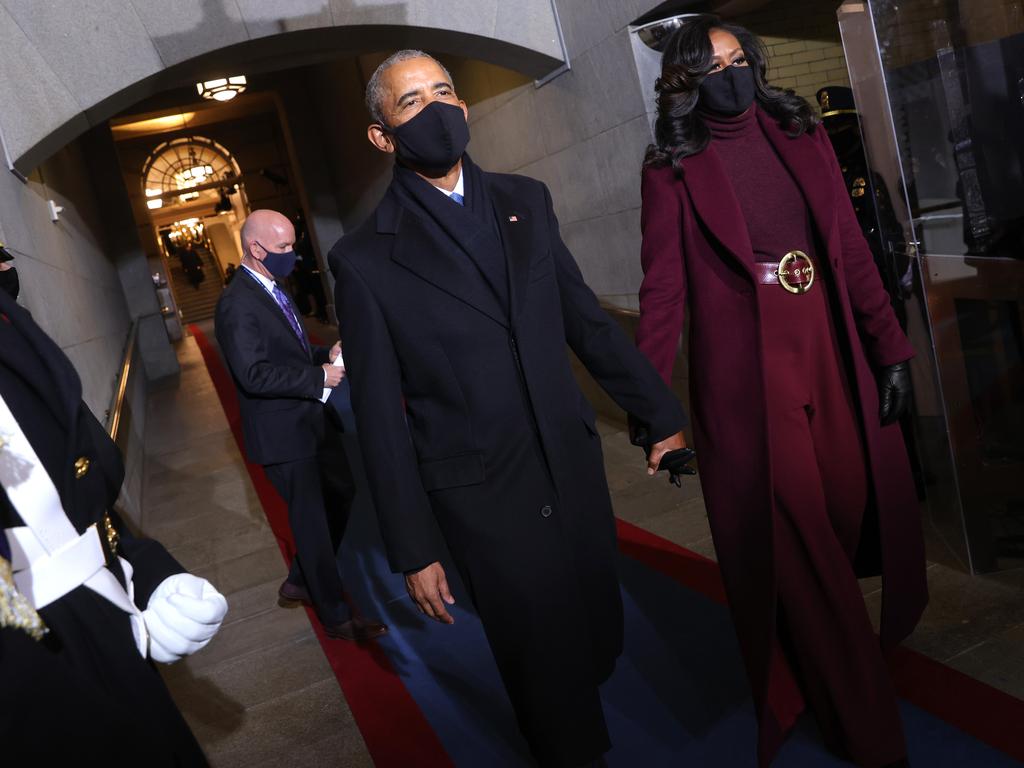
{"x":878,"y":222}
{"x":868,"y":193}
{"x":81,"y":694}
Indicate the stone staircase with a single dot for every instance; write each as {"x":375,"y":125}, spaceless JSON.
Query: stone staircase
{"x":196,"y":303}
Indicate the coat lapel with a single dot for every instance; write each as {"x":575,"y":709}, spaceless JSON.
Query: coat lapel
{"x":804,"y":161}
{"x":518,"y":238}
{"x":716,"y":204}
{"x":424,"y":250}
{"x":271,"y":304}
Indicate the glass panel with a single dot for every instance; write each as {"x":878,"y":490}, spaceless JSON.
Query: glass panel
{"x":940,"y":87}
{"x":976,"y":306}
{"x":992,"y":337}
{"x":955,"y":74}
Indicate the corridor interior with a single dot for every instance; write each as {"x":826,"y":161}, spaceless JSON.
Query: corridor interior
{"x":266,"y":691}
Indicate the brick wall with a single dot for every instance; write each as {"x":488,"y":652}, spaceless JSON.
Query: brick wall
{"x":804,"y":46}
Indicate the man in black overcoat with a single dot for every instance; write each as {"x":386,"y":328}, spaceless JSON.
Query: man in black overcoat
{"x":77,"y":686}
{"x":457,"y":301}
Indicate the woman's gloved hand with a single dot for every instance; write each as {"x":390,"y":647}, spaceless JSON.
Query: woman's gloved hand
{"x":893,"y":392}
{"x":670,"y":455}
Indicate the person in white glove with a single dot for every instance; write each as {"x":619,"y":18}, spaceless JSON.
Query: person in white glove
{"x":76,"y":688}
{"x":182,"y":616}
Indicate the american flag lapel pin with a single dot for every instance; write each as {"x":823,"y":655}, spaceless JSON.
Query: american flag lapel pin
{"x":513,"y":218}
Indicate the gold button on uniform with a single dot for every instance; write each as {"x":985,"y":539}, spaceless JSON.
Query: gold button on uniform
{"x":81,"y":467}
{"x":113,"y":537}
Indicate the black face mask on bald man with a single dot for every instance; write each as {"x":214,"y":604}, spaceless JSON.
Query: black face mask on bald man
{"x":434,"y":140}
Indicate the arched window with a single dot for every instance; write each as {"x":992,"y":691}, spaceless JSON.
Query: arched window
{"x":189,"y":171}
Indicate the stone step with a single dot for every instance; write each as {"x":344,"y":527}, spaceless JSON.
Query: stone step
{"x":199,"y":303}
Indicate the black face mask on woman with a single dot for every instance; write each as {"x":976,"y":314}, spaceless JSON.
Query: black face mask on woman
{"x":9,"y":282}
{"x":729,"y":92}
{"x":434,"y":140}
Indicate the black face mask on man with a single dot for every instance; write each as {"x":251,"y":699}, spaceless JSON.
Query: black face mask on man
{"x":434,"y":140}
{"x":729,"y":92}
{"x":278,"y":263}
{"x":9,"y":282}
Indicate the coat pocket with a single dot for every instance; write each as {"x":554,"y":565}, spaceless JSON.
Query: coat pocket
{"x":453,"y":472}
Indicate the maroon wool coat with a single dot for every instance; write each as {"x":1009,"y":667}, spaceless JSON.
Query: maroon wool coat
{"x":697,"y":255}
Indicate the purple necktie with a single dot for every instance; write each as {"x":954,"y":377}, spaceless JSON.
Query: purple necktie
{"x":293,"y":321}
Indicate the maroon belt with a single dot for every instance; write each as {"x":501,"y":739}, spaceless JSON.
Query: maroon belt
{"x":795,"y":272}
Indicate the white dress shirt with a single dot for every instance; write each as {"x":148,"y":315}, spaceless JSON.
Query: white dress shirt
{"x":458,"y":187}
{"x":263,"y":280}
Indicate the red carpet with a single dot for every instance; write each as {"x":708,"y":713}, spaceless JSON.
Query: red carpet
{"x":393,"y":727}
{"x":398,"y":735}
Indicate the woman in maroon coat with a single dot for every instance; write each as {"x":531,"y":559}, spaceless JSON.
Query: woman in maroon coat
{"x":798,"y":374}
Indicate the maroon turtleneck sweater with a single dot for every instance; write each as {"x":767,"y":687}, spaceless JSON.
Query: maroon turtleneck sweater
{"x":771,"y":202}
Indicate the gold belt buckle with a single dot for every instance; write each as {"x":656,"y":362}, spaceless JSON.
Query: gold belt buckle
{"x":787,"y":270}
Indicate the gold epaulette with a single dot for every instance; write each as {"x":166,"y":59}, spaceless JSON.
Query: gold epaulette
{"x":15,"y":611}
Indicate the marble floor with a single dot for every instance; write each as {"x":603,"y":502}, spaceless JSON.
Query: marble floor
{"x":263,"y":693}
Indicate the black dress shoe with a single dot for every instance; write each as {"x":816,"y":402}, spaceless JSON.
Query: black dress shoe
{"x":356,"y":630}
{"x":291,"y":595}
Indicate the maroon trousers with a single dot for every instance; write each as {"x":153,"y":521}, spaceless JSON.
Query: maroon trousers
{"x":828,"y":654}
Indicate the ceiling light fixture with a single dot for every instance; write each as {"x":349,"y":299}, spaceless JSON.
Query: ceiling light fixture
{"x":222,"y":88}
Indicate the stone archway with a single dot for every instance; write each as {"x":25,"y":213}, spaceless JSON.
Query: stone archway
{"x":122,"y":51}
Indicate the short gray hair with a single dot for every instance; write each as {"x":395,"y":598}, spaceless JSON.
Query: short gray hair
{"x":374,"y":89}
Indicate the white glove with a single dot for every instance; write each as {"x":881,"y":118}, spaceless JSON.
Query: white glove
{"x":182,"y":615}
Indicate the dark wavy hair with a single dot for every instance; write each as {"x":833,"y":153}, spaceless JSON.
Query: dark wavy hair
{"x":686,"y":61}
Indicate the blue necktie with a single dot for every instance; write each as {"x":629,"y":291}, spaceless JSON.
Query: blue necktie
{"x":458,"y":198}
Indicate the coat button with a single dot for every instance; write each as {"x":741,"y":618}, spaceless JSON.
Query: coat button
{"x":545,"y":511}
{"x":81,"y":467}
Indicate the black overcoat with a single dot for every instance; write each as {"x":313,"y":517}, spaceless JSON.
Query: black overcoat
{"x":496,"y":447}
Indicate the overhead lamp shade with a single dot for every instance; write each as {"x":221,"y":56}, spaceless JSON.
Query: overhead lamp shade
{"x":222,"y":88}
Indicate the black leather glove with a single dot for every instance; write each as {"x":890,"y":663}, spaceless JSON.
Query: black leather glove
{"x":675,"y":463}
{"x":893,"y":392}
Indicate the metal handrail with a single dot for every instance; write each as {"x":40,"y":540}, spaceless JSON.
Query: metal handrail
{"x":614,"y":310}
{"x":117,"y":403}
